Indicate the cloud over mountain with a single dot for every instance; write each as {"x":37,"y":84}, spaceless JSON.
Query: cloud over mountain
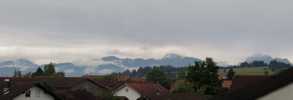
{"x":109,"y":64}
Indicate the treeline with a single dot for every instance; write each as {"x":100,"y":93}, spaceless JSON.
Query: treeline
{"x":273,"y":65}
{"x":200,"y":77}
{"x":170,"y":71}
{"x":48,"y":70}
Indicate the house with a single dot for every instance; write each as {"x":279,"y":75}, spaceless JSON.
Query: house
{"x":276,"y":87}
{"x":140,"y":90}
{"x":50,"y":89}
{"x":25,"y":91}
{"x":244,"y":81}
{"x":241,"y":82}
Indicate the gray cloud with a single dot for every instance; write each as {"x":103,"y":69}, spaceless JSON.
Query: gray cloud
{"x":224,"y":29}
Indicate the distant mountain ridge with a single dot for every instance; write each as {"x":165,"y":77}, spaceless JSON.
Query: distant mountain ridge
{"x":114,"y":64}
{"x":169,"y":59}
{"x":266,"y":59}
{"x":110,"y":64}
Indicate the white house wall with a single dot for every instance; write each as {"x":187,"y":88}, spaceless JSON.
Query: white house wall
{"x":128,"y":92}
{"x":281,"y":94}
{"x":34,"y":95}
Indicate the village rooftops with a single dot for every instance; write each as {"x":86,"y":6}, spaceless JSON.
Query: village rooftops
{"x":59,"y":88}
{"x":261,"y":87}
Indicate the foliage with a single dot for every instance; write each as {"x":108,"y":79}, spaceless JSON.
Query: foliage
{"x":60,"y":74}
{"x":181,"y":74}
{"x":17,"y":73}
{"x":170,"y":71}
{"x":204,"y":77}
{"x":274,"y":65}
{"x":231,"y":74}
{"x":252,"y":71}
{"x":181,"y":86}
{"x":39,"y":72}
{"x":157,"y":76}
{"x":253,"y":64}
{"x":49,"y":69}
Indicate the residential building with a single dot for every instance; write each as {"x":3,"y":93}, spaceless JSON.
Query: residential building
{"x":276,"y":87}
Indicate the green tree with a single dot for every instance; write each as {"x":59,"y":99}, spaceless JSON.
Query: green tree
{"x":60,"y":74}
{"x":266,"y":72}
{"x":49,"y":69}
{"x":182,"y":86}
{"x":231,"y":74}
{"x":39,"y":72}
{"x":204,"y":77}
{"x":157,"y":76}
{"x":181,"y":74}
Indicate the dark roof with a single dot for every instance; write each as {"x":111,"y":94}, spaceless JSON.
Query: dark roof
{"x":243,"y":81}
{"x":181,"y":96}
{"x":60,"y":88}
{"x":19,"y":88}
{"x":109,"y":84}
{"x":261,"y":88}
{"x":80,"y":95}
{"x":148,"y":89}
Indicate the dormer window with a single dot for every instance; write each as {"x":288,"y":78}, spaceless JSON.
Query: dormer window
{"x":28,"y":93}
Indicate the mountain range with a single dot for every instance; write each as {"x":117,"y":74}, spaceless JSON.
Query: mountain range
{"x":106,"y":65}
{"x":110,"y":64}
{"x":266,"y":59}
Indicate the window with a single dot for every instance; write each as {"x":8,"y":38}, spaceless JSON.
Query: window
{"x":28,"y":93}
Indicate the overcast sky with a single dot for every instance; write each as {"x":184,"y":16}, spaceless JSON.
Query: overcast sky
{"x":68,"y":30}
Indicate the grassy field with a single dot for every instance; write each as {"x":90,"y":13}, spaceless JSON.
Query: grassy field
{"x":254,"y":71}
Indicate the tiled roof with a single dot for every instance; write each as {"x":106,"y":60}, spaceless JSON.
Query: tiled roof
{"x":19,"y":88}
{"x":148,"y":89}
{"x":59,"y":87}
{"x":109,"y":84}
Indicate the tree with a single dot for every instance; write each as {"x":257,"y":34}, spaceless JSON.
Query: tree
{"x":274,"y":65}
{"x":39,"y":72}
{"x":204,"y":77}
{"x":60,"y":74}
{"x":49,"y":69}
{"x":17,"y":73}
{"x":258,"y":64}
{"x":181,"y":74}
{"x":182,"y":86}
{"x":28,"y":75}
{"x":231,"y":74}
{"x":245,"y":64}
{"x":157,"y":76}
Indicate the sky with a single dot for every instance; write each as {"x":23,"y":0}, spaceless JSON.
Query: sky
{"x":71,"y":30}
